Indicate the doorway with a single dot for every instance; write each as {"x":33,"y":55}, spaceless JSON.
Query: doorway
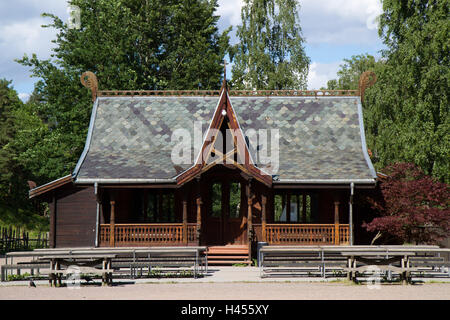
{"x":226,"y":219}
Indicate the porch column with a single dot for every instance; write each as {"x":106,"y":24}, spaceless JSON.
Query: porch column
{"x":263,"y":218}
{"x":249,"y":220}
{"x":185,"y":235}
{"x":112,"y":225}
{"x":350,"y":213}
{"x":336,"y":222}
{"x":97,"y":219}
{"x":53,"y":222}
{"x":199,"y":218}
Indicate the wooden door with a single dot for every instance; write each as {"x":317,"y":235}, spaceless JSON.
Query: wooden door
{"x":226,"y":220}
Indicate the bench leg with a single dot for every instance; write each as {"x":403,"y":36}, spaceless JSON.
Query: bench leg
{"x":2,"y":271}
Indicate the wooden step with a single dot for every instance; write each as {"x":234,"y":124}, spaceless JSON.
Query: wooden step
{"x":227,"y":257}
{"x":230,"y":248}
{"x":229,"y":262}
{"x":220,"y":252}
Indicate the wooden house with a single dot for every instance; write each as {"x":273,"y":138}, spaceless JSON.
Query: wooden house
{"x":126,"y":190}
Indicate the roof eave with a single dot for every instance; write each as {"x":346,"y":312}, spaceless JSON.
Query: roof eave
{"x":38,"y":191}
{"x":122,"y":181}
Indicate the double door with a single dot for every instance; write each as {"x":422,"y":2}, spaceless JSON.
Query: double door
{"x":226,"y":221}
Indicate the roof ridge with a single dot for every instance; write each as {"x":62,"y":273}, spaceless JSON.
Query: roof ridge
{"x":243,"y":93}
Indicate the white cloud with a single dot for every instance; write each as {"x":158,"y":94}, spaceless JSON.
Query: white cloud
{"x":21,"y":32}
{"x":24,"y":97}
{"x":230,"y":10}
{"x":340,"y":21}
{"x":320,"y":73}
{"x":27,"y":36}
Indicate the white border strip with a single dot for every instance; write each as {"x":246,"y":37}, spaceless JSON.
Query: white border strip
{"x":121,"y":180}
{"x":363,"y":141}
{"x":88,"y":140}
{"x":325,"y":181}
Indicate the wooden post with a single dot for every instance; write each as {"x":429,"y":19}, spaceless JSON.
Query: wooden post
{"x":350,"y":218}
{"x":199,"y":219}
{"x":53,"y":222}
{"x":185,"y":230}
{"x":263,"y":218}
{"x":336,"y":222}
{"x":112,"y":225}
{"x":249,"y":220}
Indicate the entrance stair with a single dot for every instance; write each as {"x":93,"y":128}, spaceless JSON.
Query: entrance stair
{"x":228,"y":255}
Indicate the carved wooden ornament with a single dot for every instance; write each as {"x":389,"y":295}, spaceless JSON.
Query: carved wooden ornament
{"x":367,"y":79}
{"x":89,"y":80}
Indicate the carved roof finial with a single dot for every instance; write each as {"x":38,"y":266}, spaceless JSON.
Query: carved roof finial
{"x":224,"y":82}
{"x":367,"y":79}
{"x":89,"y":80}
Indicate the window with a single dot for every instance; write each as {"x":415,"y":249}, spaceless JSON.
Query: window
{"x":280,"y":207}
{"x":302,"y":207}
{"x":160,"y":207}
{"x":152,"y":207}
{"x":168,"y":207}
{"x":216,"y":199}
{"x":235,"y":199}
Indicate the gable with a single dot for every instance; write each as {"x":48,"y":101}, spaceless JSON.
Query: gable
{"x":224,"y":118}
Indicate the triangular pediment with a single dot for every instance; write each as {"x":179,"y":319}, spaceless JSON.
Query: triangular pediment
{"x":224,"y":144}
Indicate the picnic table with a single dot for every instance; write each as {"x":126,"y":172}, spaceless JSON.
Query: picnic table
{"x":379,"y":259}
{"x":404,"y":260}
{"x":84,"y":264}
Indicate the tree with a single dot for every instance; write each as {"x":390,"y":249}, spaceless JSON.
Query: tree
{"x":351,"y":70}
{"x":413,"y":207}
{"x":407,"y":111}
{"x":129,"y":45}
{"x":9,"y":102}
{"x":15,"y":208}
{"x":270,"y":54}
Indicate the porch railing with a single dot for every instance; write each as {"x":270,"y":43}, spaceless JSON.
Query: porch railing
{"x":152,"y":234}
{"x":307,"y":234}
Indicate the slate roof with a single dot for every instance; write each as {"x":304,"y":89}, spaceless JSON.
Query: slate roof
{"x":321,"y":139}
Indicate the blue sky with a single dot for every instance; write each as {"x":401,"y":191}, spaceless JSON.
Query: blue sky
{"x":333,"y":29}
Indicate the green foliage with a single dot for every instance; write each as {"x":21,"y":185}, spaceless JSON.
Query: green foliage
{"x":15,"y":208}
{"x":235,"y":199}
{"x":129,"y":45}
{"x":17,"y":277}
{"x":158,"y":273}
{"x":270,"y":54}
{"x":407,"y":111}
{"x":351,"y":70}
{"x":216,"y":199}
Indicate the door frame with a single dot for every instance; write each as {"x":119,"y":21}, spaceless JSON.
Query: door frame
{"x":230,"y":230}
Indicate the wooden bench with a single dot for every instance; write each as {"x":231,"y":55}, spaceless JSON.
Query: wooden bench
{"x":291,"y":260}
{"x":77,"y":262}
{"x":32,"y":266}
{"x":430,"y":266}
{"x":173,"y":260}
{"x":294,"y":262}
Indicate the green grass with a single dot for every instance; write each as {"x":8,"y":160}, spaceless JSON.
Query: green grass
{"x":156,"y":273}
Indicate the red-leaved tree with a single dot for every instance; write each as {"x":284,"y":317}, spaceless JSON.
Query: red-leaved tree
{"x":414,"y":208}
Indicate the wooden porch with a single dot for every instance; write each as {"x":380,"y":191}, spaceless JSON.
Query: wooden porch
{"x":179,"y":234}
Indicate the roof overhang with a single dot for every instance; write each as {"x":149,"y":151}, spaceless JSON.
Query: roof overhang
{"x":122,"y":181}
{"x":49,"y":186}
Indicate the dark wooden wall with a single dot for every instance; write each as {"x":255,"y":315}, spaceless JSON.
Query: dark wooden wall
{"x":73,"y":223}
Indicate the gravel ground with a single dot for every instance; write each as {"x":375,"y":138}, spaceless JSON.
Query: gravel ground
{"x":232,"y":291}
{"x":226,"y":283}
